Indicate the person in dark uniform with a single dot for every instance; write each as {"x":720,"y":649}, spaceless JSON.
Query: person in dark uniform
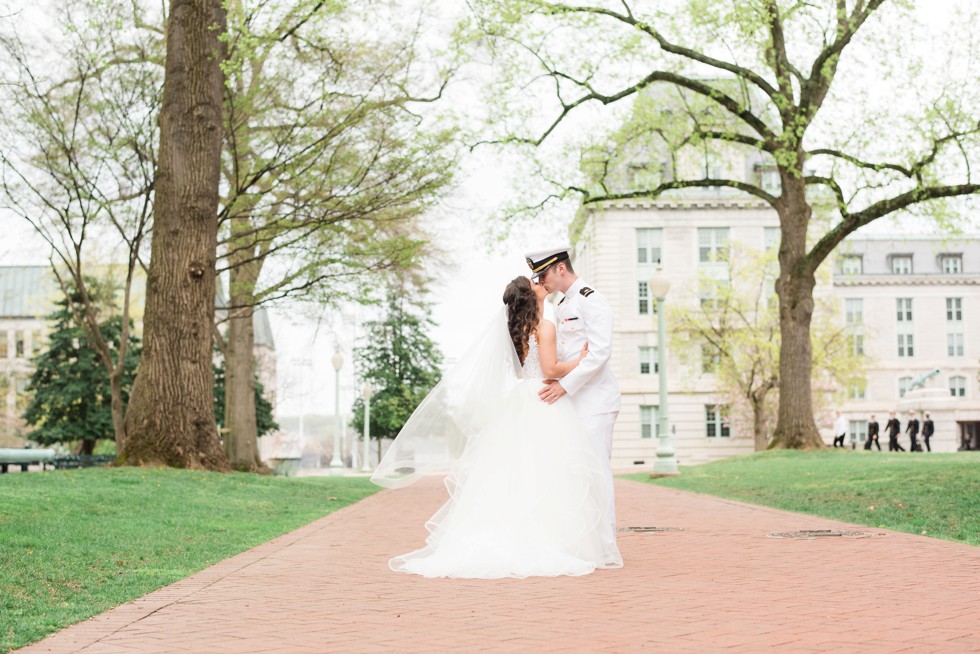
{"x":872,"y":435}
{"x":893,"y":427}
{"x":928,"y":429}
{"x":912,"y":429}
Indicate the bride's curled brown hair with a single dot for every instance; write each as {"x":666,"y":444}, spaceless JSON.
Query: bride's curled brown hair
{"x":522,"y":313}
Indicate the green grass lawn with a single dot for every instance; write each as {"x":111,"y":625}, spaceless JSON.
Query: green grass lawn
{"x":76,"y":543}
{"x":933,"y":494}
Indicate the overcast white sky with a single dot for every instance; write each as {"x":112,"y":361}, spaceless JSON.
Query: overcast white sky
{"x":467,"y":290}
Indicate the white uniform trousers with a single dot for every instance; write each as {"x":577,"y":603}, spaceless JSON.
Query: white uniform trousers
{"x":600,"y":430}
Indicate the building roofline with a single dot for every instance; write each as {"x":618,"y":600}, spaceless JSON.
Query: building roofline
{"x":913,"y":237}
{"x":701,"y":202}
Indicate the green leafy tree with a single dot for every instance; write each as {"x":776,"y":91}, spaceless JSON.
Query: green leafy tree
{"x":78,"y":120}
{"x":71,"y":399}
{"x":820,"y":98}
{"x":329,"y":163}
{"x":400,"y":361}
{"x":732,"y":332}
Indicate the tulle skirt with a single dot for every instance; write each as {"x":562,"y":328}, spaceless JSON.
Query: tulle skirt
{"x":526,"y":498}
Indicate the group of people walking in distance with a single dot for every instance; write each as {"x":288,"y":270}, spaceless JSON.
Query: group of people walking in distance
{"x":893,"y":428}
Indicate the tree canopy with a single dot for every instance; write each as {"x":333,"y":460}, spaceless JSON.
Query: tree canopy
{"x":819,"y":94}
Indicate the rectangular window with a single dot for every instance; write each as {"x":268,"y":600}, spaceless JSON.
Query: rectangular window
{"x":857,"y":391}
{"x":851,"y":264}
{"x":648,"y":246}
{"x":36,"y":338}
{"x":904,"y":309}
{"x":854,"y":312}
{"x":857,"y":344}
{"x":854,"y":319}
{"x":649,"y":422}
{"x":712,"y":166}
{"x":902,"y":264}
{"x":770,"y":238}
{"x":712,"y":244}
{"x":643,"y":295}
{"x":952,"y":264}
{"x":767,"y":178}
{"x":710,"y":358}
{"x":954,"y":326}
{"x":954,"y":309}
{"x":716,"y":421}
{"x":906,"y":345}
{"x":4,"y":344}
{"x":903,"y":386}
{"x":648,"y":361}
{"x":713,"y":292}
{"x":649,"y":175}
{"x":906,"y":340}
{"x":19,"y":344}
{"x":957,"y":386}
{"x":954,"y":344}
{"x":857,"y":430}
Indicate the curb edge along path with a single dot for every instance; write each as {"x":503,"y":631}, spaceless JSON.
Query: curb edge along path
{"x":720,"y":584}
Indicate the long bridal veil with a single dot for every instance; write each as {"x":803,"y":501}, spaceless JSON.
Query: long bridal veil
{"x":437,"y":432}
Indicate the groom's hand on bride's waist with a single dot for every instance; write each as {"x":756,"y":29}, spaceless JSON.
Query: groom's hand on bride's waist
{"x":551,"y":391}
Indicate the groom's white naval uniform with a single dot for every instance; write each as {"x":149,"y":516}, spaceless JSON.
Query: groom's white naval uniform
{"x":584,"y":316}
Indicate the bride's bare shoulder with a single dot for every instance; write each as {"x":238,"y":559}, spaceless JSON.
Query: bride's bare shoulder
{"x":546,"y":326}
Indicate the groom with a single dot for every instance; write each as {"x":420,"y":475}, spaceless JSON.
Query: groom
{"x":583,"y":316}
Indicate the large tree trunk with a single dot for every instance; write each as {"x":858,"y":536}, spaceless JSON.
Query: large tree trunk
{"x":241,"y":439}
{"x":170,"y":418}
{"x":795,"y":427}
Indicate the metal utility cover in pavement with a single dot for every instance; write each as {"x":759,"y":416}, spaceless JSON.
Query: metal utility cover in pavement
{"x":820,"y":533}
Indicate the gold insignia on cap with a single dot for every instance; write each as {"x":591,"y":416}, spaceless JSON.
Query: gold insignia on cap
{"x":544,"y":264}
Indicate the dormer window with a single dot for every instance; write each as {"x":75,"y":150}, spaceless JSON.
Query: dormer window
{"x":851,"y":264}
{"x":902,"y":264}
{"x":649,"y":175}
{"x":767,"y":178}
{"x":952,"y":264}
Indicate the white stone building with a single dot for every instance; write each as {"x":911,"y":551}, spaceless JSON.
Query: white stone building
{"x":617,"y":247}
{"x":617,"y":250}
{"x":909,"y":303}
{"x":27,"y":295}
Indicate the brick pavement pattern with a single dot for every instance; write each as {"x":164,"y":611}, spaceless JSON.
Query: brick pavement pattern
{"x":721,"y":584}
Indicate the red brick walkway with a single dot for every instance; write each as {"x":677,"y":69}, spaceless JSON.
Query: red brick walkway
{"x":719,"y":585}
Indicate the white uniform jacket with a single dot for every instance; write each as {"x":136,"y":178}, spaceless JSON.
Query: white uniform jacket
{"x":585,"y":317}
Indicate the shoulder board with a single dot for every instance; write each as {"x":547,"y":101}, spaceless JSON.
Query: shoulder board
{"x":586,"y":291}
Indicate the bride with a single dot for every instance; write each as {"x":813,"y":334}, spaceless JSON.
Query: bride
{"x":527,"y":496}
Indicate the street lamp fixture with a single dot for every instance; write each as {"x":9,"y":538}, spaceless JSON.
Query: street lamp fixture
{"x":367,"y":393}
{"x":338,"y":362}
{"x":666,"y":464}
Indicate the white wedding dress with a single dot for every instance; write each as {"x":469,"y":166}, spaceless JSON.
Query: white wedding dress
{"x":527,"y":496}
